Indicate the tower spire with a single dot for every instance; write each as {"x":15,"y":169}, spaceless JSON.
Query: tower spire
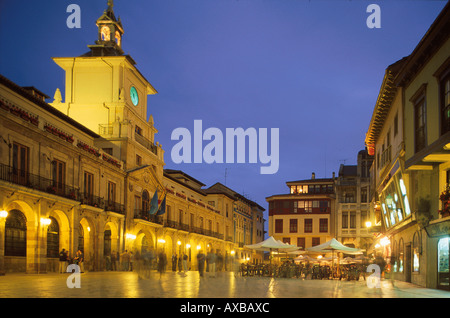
{"x":110,"y":32}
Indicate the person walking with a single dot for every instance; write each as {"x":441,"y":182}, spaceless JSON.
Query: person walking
{"x":131,"y":255}
{"x":185,"y":259}
{"x":201,"y":262}
{"x":211,"y":264}
{"x":174,"y":262}
{"x":80,"y":260}
{"x":113,"y":261}
{"x":62,"y":261}
{"x":162,"y":261}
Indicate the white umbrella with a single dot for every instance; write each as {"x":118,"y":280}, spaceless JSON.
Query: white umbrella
{"x":334,"y":245}
{"x":271,"y":244}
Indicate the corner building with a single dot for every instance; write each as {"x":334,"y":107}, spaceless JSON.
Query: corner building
{"x":80,"y":173}
{"x":305,"y":216}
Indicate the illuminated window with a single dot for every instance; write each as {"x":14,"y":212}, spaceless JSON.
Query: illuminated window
{"x":416,"y":252}
{"x":105,"y":33}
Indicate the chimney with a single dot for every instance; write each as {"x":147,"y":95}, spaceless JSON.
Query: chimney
{"x":313,"y":176}
{"x":334,"y":175}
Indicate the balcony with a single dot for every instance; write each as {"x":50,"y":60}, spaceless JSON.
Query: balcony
{"x":146,"y":143}
{"x":144,"y":215}
{"x":37,"y":182}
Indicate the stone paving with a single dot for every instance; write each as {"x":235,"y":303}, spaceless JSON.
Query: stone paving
{"x":175,"y":285}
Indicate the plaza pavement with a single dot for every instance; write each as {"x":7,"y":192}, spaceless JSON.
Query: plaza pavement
{"x":175,"y":285}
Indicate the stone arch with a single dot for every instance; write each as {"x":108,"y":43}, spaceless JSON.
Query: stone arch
{"x":64,"y":228}
{"x":86,"y":242}
{"x":29,"y":262}
{"x":144,"y":242}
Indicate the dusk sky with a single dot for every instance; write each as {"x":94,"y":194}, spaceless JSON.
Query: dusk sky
{"x":311,"y":68}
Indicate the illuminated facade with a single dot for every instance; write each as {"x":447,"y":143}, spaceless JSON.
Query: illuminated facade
{"x":353,"y":204}
{"x":409,"y":135}
{"x":80,"y":173}
{"x":305,"y":216}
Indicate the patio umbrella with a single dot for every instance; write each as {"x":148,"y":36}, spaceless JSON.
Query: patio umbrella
{"x":332,"y":246}
{"x":271,"y":244}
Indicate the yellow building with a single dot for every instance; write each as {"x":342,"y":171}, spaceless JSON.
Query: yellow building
{"x":305,"y":216}
{"x":412,"y":168}
{"x":80,"y":173}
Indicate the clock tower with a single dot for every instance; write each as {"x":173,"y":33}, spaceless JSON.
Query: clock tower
{"x":106,"y":92}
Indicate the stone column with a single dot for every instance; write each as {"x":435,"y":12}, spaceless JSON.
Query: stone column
{"x":2,"y":245}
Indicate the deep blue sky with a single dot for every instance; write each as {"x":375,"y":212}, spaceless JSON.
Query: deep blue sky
{"x":311,"y":68}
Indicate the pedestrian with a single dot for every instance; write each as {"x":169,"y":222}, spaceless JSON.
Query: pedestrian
{"x":162,"y":261}
{"x":211,"y":264}
{"x":117,"y":261}
{"x":185,"y":259}
{"x":174,"y":262}
{"x":201,"y":262}
{"x":131,"y":260}
{"x":80,"y":260}
{"x":108,"y":262}
{"x":113,"y":261}
{"x":125,"y":257}
{"x":62,"y":261}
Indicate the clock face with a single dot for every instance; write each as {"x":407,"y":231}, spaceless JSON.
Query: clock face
{"x":134,"y":96}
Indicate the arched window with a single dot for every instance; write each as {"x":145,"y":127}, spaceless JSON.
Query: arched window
{"x":16,"y":234}
{"x":107,"y":243}
{"x":105,"y":33}
{"x":53,"y":239}
{"x":80,"y":239}
{"x":400,"y":255}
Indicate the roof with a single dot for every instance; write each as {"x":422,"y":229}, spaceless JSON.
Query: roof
{"x":315,"y":180}
{"x":345,"y":171}
{"x":430,"y":43}
{"x":46,"y":107}
{"x":219,"y":188}
{"x":384,"y":101}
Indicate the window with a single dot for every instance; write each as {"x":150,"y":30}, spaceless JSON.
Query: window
{"x":364,"y":195}
{"x":308,"y":226}
{"x":287,"y":240}
{"x":324,"y":205}
{"x":20,"y":163}
{"x":53,"y":239}
{"x":109,"y":151}
{"x":420,"y":120}
{"x":137,"y":206}
{"x":396,"y":124}
{"x":88,"y":185}
{"x":111,"y":192}
{"x":59,"y":176}
{"x":445,"y":103}
{"x":323,"y":225}
{"x":138,"y":160}
{"x":400,"y":255}
{"x":345,"y":220}
{"x":301,"y":242}
{"x":138,"y":130}
{"x":416,"y":252}
{"x":15,"y":234}
{"x":293,"y":226}
{"x":353,"y":220}
{"x":315,"y":241}
{"x":278,"y":226}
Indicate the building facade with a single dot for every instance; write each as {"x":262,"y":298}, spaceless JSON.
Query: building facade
{"x":353,"y":204}
{"x":82,"y":172}
{"x":411,"y":169}
{"x":305,"y":216}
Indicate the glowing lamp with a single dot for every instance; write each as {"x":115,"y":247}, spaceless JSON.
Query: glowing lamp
{"x":46,"y":221}
{"x":3,"y":214}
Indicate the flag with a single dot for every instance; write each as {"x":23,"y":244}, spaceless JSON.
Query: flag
{"x":162,"y":208}
{"x":154,"y":204}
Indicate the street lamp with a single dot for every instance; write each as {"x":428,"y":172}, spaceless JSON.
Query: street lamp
{"x":3,"y":214}
{"x":368,"y":224}
{"x":46,"y":221}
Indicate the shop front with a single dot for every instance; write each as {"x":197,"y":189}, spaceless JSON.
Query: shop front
{"x":440,"y":230}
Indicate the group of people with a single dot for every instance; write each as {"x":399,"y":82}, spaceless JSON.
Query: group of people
{"x":181,"y":262}
{"x":119,"y":261}
{"x":65,"y":259}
